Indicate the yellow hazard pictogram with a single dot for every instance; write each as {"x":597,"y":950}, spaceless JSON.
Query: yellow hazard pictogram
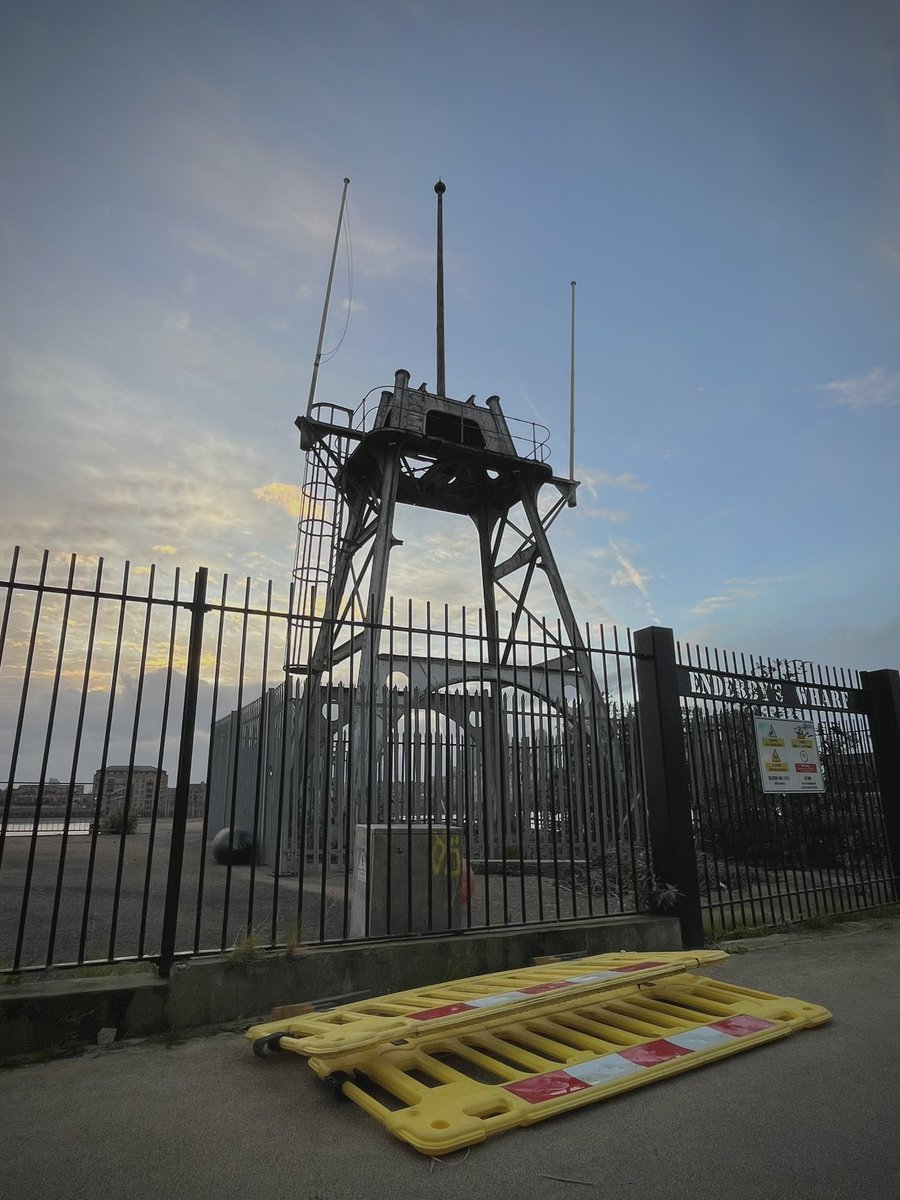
{"x":775,"y":764}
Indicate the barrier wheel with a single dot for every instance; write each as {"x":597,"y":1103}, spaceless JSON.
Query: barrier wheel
{"x":264,"y":1046}
{"x":335,"y":1083}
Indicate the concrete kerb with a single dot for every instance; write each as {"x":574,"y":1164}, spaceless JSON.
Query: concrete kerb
{"x":889,"y":918}
{"x":61,"y":1015}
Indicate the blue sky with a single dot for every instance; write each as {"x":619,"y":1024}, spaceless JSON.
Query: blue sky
{"x":722,"y":180}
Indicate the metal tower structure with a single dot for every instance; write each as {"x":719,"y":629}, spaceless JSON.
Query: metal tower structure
{"x":426,"y":449}
{"x":419,"y":448}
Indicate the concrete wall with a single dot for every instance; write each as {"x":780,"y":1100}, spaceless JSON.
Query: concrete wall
{"x":64,"y":1014}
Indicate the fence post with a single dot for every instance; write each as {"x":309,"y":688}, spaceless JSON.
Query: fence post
{"x":882,"y":703}
{"x":666,"y":777}
{"x":183,"y":778}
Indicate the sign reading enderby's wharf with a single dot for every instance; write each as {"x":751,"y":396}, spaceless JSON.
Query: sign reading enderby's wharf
{"x":788,"y":756}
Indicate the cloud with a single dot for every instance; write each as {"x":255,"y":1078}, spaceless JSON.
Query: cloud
{"x":229,"y":249}
{"x":266,"y":198}
{"x":286,"y":495}
{"x":614,"y":515}
{"x":735,"y":592}
{"x":291,"y":498}
{"x":177,"y":320}
{"x":628,"y":574}
{"x":593,"y":479}
{"x":140,"y":475}
{"x":877,"y":389}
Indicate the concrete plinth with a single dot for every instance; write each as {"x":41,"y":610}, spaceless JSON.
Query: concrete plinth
{"x":406,"y":879}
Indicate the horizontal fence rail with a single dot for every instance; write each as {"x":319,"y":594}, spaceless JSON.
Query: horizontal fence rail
{"x":171,"y":787}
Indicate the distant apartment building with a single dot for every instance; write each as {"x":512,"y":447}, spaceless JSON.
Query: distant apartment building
{"x":196,"y":800}
{"x":139,"y":784}
{"x":147,"y":785}
{"x":52,"y":794}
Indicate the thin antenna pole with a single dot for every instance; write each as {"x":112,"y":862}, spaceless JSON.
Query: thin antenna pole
{"x":572,"y":392}
{"x":440,"y":188}
{"x":337,"y":238}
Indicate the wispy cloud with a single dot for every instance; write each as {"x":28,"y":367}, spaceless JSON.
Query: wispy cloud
{"x":877,"y":389}
{"x":179,"y":321}
{"x":230,"y":250}
{"x":734,"y":592}
{"x":141,"y":476}
{"x":629,"y":574}
{"x":614,"y":515}
{"x":290,"y":498}
{"x":266,"y":197}
{"x":593,"y":479}
{"x":286,"y":495}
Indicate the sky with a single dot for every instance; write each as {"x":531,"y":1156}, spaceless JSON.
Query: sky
{"x":722,"y":180}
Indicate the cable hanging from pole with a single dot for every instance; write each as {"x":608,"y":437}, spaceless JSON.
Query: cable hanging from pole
{"x":328,"y":355}
{"x":334,"y":252}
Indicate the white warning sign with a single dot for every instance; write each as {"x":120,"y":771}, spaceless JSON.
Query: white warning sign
{"x":788,"y":756}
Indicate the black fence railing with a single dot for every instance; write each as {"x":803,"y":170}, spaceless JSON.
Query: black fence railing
{"x":191,"y":770}
{"x":767,"y":858}
{"x":193,"y":794}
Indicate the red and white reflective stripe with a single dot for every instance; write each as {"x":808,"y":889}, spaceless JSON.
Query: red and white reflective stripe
{"x":528,"y":993}
{"x":597,"y":1071}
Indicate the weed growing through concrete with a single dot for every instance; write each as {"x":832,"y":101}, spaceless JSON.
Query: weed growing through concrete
{"x":292,"y":940}
{"x":248,"y":947}
{"x":8,"y":977}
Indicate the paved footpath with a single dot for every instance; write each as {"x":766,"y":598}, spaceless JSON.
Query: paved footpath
{"x":811,"y":1117}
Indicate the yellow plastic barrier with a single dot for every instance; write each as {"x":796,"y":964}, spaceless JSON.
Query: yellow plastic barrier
{"x":442,"y":1093}
{"x":462,"y":1002}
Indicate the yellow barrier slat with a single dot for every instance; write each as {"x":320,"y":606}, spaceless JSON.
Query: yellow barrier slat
{"x":458,"y":1003}
{"x":444,"y":1092}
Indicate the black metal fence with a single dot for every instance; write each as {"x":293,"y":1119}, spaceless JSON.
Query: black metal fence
{"x":769,"y":859}
{"x":740,"y":854}
{"x":409,"y":777}
{"x":437,"y":785}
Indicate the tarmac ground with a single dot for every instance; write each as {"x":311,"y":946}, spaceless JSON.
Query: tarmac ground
{"x":809,"y":1117}
{"x":105,"y":899}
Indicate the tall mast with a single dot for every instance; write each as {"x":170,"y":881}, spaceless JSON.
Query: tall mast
{"x":337,"y":237}
{"x":440,"y":188}
{"x":572,"y":392}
